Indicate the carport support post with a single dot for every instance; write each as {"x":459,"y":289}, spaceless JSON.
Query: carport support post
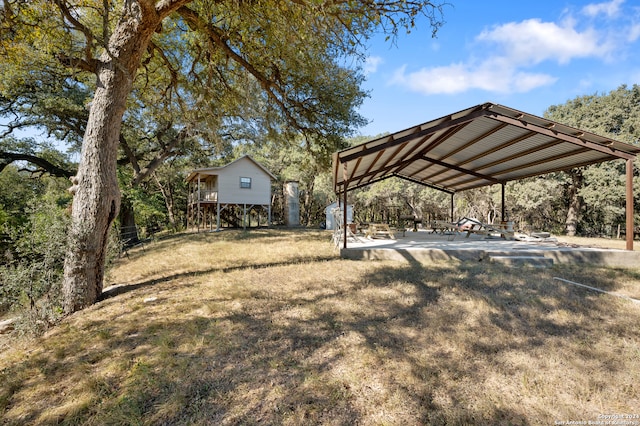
{"x":344,"y":206}
{"x":344,"y":218}
{"x":629,"y":212}
{"x":451,"y":208}
{"x":503,"y":209}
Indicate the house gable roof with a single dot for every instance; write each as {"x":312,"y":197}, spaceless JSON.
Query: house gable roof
{"x":216,"y":170}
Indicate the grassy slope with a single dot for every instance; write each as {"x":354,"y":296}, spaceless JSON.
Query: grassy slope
{"x":271,"y":327}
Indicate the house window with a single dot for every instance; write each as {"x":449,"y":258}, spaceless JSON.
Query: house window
{"x":245,"y":182}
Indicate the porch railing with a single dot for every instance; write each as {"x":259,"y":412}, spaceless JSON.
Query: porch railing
{"x":205,"y":195}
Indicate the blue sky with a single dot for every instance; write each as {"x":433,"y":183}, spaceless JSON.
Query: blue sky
{"x":526,"y":55}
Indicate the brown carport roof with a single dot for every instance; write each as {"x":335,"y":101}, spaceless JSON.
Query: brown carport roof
{"x":483,"y":145}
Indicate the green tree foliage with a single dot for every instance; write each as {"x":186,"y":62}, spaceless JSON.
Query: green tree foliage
{"x":33,"y":253}
{"x":16,"y":190}
{"x":22,"y":162}
{"x":170,"y":182}
{"x":602,"y":194}
{"x":33,"y":220}
{"x":616,"y":114}
{"x":37,"y":158}
{"x":537,"y":204}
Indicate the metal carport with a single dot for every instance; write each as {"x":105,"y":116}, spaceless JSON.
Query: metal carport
{"x":483,"y":145}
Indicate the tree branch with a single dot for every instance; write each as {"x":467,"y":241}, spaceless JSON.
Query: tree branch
{"x":268,"y":85}
{"x":7,"y":158}
{"x":162,"y":155}
{"x":79,"y":26}
{"x":164,"y":7}
{"x":133,"y":160}
{"x":153,"y":47}
{"x":89,"y":65}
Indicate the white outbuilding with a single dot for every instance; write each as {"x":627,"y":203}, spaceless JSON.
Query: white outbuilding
{"x":329,"y":214}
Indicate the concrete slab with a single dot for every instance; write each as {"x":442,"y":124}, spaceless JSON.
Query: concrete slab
{"x":426,"y":246}
{"x":532,"y":261}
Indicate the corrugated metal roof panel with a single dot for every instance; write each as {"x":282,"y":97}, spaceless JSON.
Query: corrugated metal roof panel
{"x":478,"y":146}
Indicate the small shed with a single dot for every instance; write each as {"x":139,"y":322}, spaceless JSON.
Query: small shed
{"x":231,"y":193}
{"x":329,"y":214}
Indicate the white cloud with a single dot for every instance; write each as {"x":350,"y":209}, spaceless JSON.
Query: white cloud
{"x":371,"y":64}
{"x":490,"y":75}
{"x":532,"y":41}
{"x":449,"y":80}
{"x":609,"y":9}
{"x":512,"y":50}
{"x":634,"y":33}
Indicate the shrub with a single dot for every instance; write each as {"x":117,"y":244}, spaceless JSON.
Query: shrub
{"x":31,"y":277}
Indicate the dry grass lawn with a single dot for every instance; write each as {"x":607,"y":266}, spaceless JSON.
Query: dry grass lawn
{"x":611,"y":243}
{"x":271,"y":327}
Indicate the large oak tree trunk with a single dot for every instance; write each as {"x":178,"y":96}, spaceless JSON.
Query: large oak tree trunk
{"x":97,"y":197}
